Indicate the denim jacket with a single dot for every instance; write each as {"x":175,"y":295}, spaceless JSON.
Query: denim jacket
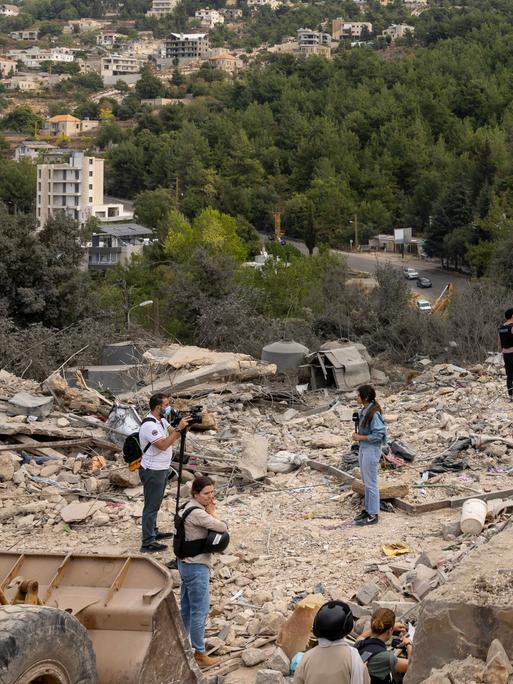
{"x":376,"y":431}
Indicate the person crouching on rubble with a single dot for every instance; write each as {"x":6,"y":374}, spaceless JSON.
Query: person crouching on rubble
{"x":195,"y":569}
{"x":333,"y":660}
{"x":383,"y":665}
{"x":371,"y":436}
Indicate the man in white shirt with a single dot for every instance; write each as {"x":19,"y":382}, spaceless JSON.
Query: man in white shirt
{"x":156,"y":437}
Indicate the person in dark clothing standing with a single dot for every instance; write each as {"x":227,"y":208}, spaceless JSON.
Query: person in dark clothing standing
{"x":506,"y":347}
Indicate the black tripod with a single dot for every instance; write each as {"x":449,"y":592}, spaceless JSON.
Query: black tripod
{"x":181,"y":461}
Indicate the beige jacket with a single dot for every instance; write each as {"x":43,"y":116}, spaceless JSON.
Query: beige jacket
{"x":197,"y":525}
{"x":328,"y":666}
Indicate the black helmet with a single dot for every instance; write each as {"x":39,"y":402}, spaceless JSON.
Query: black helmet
{"x":333,"y":621}
{"x":216,"y":542}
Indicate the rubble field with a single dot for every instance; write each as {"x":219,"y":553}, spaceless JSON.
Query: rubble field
{"x":64,"y":487}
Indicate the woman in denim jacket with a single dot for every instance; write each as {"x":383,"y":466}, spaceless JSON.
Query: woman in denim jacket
{"x":371,"y":435}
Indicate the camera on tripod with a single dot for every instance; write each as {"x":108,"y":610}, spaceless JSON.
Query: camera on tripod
{"x":195,"y":416}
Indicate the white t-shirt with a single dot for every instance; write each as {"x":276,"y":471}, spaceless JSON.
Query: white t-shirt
{"x":155,"y":458}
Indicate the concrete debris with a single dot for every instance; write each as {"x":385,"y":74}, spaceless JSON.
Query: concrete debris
{"x":25,"y":404}
{"x":278,"y":661}
{"x":269,"y":677}
{"x":253,"y":656}
{"x":64,"y":485}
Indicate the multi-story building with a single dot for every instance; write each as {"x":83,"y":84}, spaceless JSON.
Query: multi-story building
{"x":396,"y":31}
{"x":273,"y":4}
{"x":32,"y":149}
{"x":115,"y":244}
{"x":184,"y":46}
{"x":159,"y":8}
{"x":350,"y":29}
{"x":33,"y":57}
{"x":24,"y":35}
{"x":71,"y":182}
{"x":308,"y":37}
{"x":7,"y":66}
{"x":66,"y":124}
{"x":118,"y":65}
{"x":108,"y":38}
{"x":231,"y":13}
{"x":9,"y":10}
{"x":209,"y":17}
{"x":226,"y":62}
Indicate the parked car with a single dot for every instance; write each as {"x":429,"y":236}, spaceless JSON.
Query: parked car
{"x":410,"y":273}
{"x":423,"y":305}
{"x":424,"y":282}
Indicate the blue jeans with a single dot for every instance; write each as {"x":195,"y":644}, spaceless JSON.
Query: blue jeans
{"x":368,"y":458}
{"x":194,"y":601}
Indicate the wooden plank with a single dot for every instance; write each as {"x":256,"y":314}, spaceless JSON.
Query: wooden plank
{"x":453,"y":502}
{"x":37,"y":449}
{"x":386,"y":491}
{"x":341,"y":475}
{"x":57,"y":444}
{"x":103,"y":444}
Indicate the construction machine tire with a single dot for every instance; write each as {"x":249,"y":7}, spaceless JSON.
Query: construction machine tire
{"x":42,"y":645}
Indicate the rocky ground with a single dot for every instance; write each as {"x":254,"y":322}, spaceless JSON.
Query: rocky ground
{"x":291,"y":532}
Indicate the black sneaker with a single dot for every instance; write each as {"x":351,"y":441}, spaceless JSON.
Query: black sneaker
{"x":163,"y":535}
{"x":153,"y":547}
{"x":368,"y":520}
{"x":361,"y":515}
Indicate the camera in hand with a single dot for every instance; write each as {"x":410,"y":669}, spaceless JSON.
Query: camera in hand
{"x":194,"y":416}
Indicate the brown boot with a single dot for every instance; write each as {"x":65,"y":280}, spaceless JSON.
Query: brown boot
{"x":203,"y":660}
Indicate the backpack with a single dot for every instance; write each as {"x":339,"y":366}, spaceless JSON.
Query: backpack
{"x":182,"y":547}
{"x":132,"y":452}
{"x":367,"y":648}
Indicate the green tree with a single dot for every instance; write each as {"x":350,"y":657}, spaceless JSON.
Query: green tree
{"x":22,"y":120}
{"x":153,"y":207}
{"x":149,"y":86}
{"x":17,"y":185}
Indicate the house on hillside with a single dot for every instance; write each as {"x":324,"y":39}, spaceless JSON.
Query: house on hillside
{"x":341,"y":28}
{"x":66,"y":124}
{"x":32,"y":149}
{"x":209,"y":17}
{"x":8,"y":66}
{"x":115,"y":244}
{"x":24,"y":35}
{"x":9,"y":10}
{"x":183,"y":46}
{"x":395,"y":31}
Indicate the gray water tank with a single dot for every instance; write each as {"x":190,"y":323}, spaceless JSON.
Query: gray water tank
{"x":286,"y":354}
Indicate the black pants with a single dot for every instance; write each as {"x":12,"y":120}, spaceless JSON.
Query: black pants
{"x":508,"y":365}
{"x":154,"y":485}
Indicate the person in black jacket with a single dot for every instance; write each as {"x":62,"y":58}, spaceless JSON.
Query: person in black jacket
{"x":506,"y":347}
{"x":382,"y":664}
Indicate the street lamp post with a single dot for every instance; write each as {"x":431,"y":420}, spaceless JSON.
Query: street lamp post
{"x":147,"y":302}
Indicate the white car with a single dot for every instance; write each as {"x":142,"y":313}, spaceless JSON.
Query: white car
{"x":410,"y":273}
{"x":423,"y":305}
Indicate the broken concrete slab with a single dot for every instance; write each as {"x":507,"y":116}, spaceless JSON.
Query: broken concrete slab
{"x":278,"y":661}
{"x":76,"y":512}
{"x":25,"y":404}
{"x":253,"y":459}
{"x":498,"y":666}
{"x":367,"y":593}
{"x":269,"y":677}
{"x":253,"y":656}
{"x":123,"y":477}
{"x":464,"y":615}
{"x":295,"y":633}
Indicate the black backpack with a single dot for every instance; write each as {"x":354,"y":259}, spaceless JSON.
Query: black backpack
{"x":182,"y":547}
{"x":132,"y":452}
{"x":367,"y":648}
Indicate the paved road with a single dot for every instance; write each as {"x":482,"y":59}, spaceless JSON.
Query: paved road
{"x":439,"y":278}
{"x":368,"y":263}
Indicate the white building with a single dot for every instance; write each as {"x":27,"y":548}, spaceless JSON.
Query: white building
{"x":350,"y":29}
{"x":118,"y":65}
{"x":24,"y":35}
{"x":33,"y":56}
{"x":159,"y":8}
{"x":108,"y":38}
{"x":273,"y":4}
{"x":209,"y":17}
{"x":70,"y":182}
{"x":32,"y":149}
{"x":116,"y":243}
{"x":183,"y":46}
{"x":9,"y":10}
{"x":396,"y":31}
